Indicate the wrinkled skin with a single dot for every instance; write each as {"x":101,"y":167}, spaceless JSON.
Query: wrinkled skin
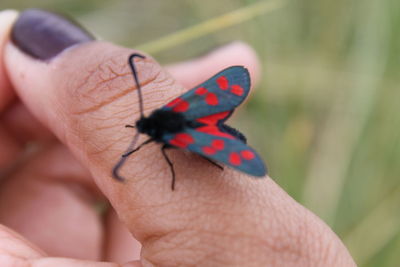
{"x":75,"y":107}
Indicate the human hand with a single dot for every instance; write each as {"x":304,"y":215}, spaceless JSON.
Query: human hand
{"x":84,"y":95}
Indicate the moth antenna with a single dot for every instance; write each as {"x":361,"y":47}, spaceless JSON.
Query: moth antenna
{"x":120,"y":163}
{"x":135,"y":76}
{"x":115,"y":171}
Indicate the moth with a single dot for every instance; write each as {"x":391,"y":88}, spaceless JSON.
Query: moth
{"x":195,"y":121}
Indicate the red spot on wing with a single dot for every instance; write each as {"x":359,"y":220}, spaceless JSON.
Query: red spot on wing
{"x":213,"y":119}
{"x":223,"y":83}
{"x":237,"y":90}
{"x":213,"y":130}
{"x":212,"y":99}
{"x":182,"y":140}
{"x":209,"y":150}
{"x":218,"y":144}
{"x":178,"y":105}
{"x":201,"y":91}
{"x":174,"y":102}
{"x":182,"y":106}
{"x":234,"y":159}
{"x":247,"y":154}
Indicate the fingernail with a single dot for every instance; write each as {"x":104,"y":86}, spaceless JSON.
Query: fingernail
{"x":44,"y":35}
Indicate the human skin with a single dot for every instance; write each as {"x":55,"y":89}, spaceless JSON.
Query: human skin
{"x":74,"y":107}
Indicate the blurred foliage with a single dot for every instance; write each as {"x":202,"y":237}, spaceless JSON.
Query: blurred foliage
{"x":326,"y":113}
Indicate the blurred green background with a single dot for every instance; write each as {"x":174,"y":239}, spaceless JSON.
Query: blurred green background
{"x":326,"y":113}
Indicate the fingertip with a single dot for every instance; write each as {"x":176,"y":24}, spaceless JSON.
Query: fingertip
{"x":193,"y":72}
{"x":238,"y":53}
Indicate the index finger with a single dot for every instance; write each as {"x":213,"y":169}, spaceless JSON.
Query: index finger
{"x":85,"y":94}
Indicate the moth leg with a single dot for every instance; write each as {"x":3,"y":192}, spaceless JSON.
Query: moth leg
{"x":214,"y":163}
{"x":136,"y":149}
{"x":171,"y":165}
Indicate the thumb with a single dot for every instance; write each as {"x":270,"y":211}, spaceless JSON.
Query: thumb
{"x":81,"y":89}
{"x":84,"y":92}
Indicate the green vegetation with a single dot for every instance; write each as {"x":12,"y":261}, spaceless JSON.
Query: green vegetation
{"x":326,"y":113}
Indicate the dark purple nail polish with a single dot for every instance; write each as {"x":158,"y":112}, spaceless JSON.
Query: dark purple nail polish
{"x":43,"y":35}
